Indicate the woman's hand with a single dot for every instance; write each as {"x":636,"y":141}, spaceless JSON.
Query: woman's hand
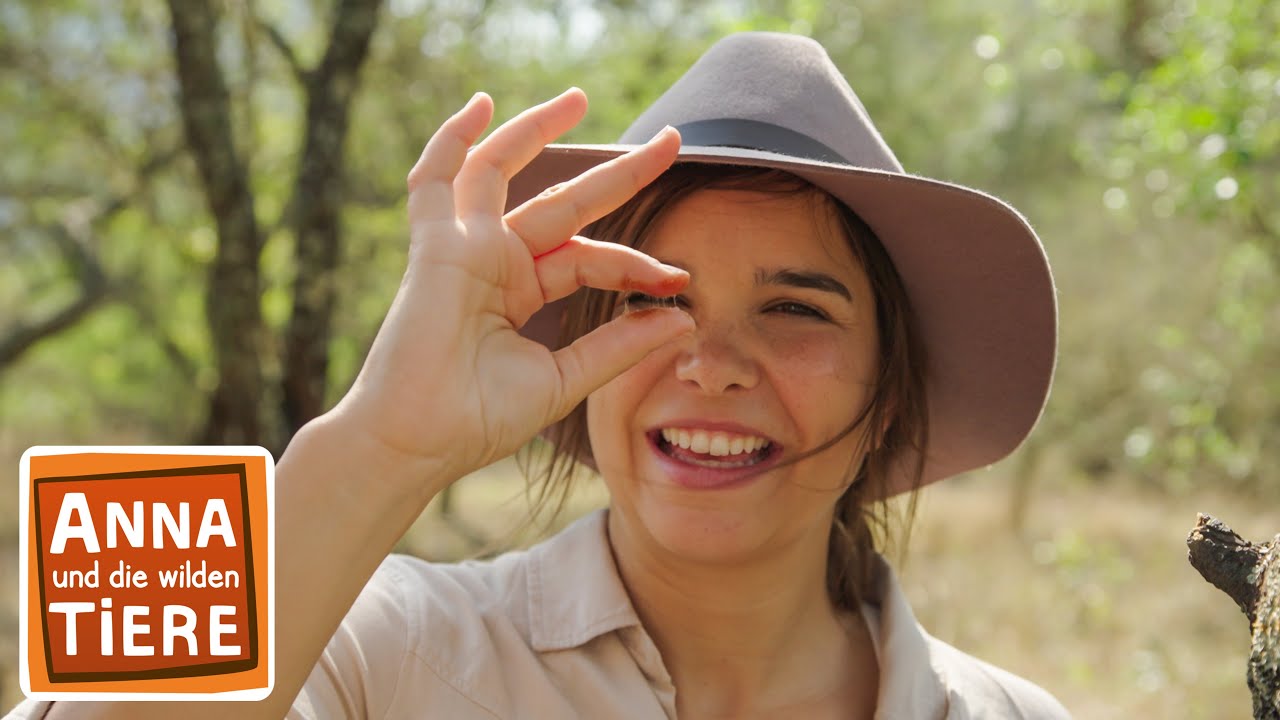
{"x":448,"y":378}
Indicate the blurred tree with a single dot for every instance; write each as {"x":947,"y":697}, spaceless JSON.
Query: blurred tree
{"x":86,"y":148}
{"x":314,"y":207}
{"x":123,"y":245}
{"x":313,"y":212}
{"x":1140,"y":137}
{"x":1201,"y":128}
{"x":231,"y":304}
{"x":238,"y":340}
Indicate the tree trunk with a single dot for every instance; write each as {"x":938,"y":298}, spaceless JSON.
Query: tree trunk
{"x":232,"y":296}
{"x":1250,"y":575}
{"x":1137,"y":54}
{"x":316,"y":209}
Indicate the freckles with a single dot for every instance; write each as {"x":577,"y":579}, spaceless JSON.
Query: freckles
{"x":811,"y":355}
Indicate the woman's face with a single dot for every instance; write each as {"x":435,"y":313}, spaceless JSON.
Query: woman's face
{"x":785,"y":354}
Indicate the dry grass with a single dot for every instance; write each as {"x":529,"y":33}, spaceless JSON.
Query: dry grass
{"x":1093,"y":599}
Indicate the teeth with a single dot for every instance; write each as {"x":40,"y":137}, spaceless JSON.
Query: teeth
{"x":720,"y":444}
{"x":701,"y":442}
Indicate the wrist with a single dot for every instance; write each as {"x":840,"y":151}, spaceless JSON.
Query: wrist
{"x":405,"y":477}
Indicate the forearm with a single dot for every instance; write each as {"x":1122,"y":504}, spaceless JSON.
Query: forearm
{"x":342,"y":502}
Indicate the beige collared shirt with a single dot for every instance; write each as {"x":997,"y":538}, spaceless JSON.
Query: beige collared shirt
{"x":550,"y":633}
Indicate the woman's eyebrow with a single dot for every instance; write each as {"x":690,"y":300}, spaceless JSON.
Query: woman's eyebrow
{"x":808,"y":279}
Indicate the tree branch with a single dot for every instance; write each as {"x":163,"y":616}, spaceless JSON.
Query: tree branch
{"x":1250,"y":575}
{"x":1263,"y":226}
{"x":1227,"y":561}
{"x":148,"y":318}
{"x":74,"y":238}
{"x":91,"y":279}
{"x":284,"y":48}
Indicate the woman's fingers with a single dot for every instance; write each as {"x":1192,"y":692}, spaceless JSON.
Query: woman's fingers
{"x":606,"y":352}
{"x":482,"y":181}
{"x":548,"y":220}
{"x":604,"y":265}
{"x":431,"y":179}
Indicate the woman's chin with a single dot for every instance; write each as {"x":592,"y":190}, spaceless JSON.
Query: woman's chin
{"x":705,"y":535}
{"x":699,"y":525}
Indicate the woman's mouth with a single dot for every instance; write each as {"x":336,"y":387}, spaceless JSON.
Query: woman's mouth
{"x":713,"y":449}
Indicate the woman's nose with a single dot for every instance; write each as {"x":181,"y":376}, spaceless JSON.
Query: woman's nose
{"x":716,"y":358}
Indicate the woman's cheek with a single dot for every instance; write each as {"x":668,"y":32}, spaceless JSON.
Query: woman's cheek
{"x":811,"y":354}
{"x":811,"y":370}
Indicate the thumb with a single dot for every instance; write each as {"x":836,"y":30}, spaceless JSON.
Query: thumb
{"x":606,"y":352}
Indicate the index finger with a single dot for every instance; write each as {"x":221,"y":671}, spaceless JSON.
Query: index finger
{"x":552,"y":218}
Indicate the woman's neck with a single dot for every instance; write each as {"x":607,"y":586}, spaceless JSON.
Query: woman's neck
{"x":746,"y":638}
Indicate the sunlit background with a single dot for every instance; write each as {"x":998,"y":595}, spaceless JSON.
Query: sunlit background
{"x":205,"y":255}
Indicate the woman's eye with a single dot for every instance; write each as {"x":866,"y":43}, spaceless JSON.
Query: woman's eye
{"x":795,"y":308}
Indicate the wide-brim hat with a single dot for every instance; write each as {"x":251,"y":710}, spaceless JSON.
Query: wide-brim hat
{"x":975,"y":273}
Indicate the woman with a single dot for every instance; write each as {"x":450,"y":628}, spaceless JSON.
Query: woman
{"x":785,"y":329}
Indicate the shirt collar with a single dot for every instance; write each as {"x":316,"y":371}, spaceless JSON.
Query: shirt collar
{"x":912,"y":676}
{"x":575,"y":591}
{"x":576,"y":594}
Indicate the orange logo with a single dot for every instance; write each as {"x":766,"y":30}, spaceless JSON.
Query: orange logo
{"x":147,"y":573}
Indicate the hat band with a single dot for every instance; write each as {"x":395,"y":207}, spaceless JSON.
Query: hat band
{"x":756,"y":135}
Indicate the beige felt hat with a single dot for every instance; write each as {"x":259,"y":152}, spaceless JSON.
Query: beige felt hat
{"x":975,"y":272}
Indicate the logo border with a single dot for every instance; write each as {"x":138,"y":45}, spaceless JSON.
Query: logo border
{"x":179,"y":671}
{"x":24,"y":493}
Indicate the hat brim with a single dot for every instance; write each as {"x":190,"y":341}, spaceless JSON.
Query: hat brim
{"x":974,"y":270}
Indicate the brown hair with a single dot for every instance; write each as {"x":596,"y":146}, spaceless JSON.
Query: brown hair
{"x":897,"y":406}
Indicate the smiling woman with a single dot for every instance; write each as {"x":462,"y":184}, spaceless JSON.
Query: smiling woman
{"x":771,"y":329}
{"x":813,"y":280}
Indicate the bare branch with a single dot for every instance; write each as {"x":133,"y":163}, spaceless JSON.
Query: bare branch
{"x":93,"y":289}
{"x":284,"y":48}
{"x":70,"y":191}
{"x":149,"y":167}
{"x":75,"y":240}
{"x":1268,"y":231}
{"x":146,"y":315}
{"x":1227,"y":561}
{"x":1250,"y":575}
{"x":21,"y":338}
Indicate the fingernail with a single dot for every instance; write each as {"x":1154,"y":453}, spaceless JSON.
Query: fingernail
{"x":566,"y":92}
{"x":678,"y":271}
{"x":693,"y":325}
